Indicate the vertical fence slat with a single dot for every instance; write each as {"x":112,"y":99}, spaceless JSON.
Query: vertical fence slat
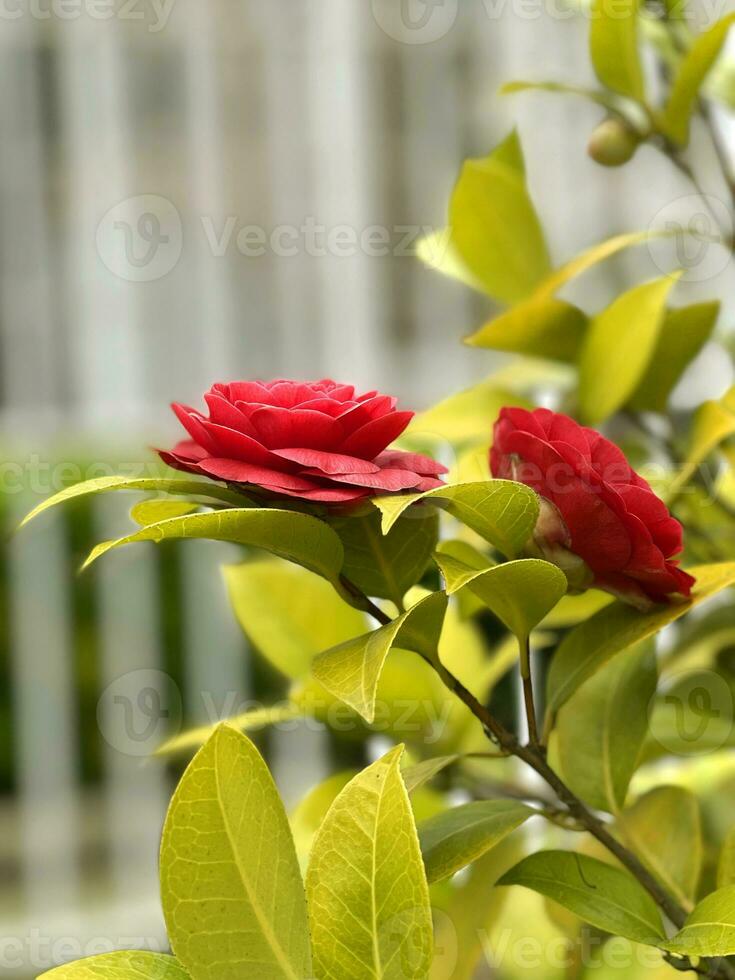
{"x":45,"y":713}
{"x":134,"y":698}
{"x":352,"y":312}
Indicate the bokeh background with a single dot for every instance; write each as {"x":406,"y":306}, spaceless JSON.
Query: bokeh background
{"x":202,"y":190}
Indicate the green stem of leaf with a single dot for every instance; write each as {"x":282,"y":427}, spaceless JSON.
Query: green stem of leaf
{"x":524,"y":647}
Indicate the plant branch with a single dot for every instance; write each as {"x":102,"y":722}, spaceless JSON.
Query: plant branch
{"x":534,"y":758}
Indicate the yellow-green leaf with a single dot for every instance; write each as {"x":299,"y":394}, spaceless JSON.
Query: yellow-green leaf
{"x":589,"y":646}
{"x":495,"y":229}
{"x":618,"y":348}
{"x":289,"y":614}
{"x":710,"y":929}
{"x":614,"y":47}
{"x":386,"y":565}
{"x":465,"y":417}
{"x":438,"y":251}
{"x":351,"y":671}
{"x":726,"y":864}
{"x":296,"y":537}
{"x":541,"y":327}
{"x":417,"y":775}
{"x":105,"y":484}
{"x":456,"y":837}
{"x":368,"y":897}
{"x":231,"y":888}
{"x":152,"y":511}
{"x":253,"y":720}
{"x":520,"y":593}
{"x":307,"y":817}
{"x":605,"y":99}
{"x":714,"y":421}
{"x":601,"y":729}
{"x":690,"y":77}
{"x":120,"y":966}
{"x":600,"y":894}
{"x":537,"y":313}
{"x":683,"y":333}
{"x":664,"y":829}
{"x":502,"y":512}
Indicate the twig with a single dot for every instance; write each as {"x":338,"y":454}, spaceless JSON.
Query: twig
{"x":534,"y":757}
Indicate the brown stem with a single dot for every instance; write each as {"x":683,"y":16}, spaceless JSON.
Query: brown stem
{"x":534,"y":758}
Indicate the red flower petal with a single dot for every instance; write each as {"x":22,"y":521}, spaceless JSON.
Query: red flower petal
{"x":398,"y":459}
{"x":192,"y":422}
{"x":238,"y":471}
{"x":388,"y":480}
{"x":236,"y":445}
{"x":373,"y":437}
{"x":281,"y":428}
{"x":327,"y":463}
{"x":223,"y":412}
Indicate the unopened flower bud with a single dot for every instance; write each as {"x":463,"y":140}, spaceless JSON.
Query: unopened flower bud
{"x":613,"y":143}
{"x":551,"y":541}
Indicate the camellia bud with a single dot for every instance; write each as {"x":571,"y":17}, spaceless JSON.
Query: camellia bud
{"x":613,"y":143}
{"x":551,"y":541}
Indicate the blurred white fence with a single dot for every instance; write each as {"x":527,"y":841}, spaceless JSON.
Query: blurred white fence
{"x":133,"y":152}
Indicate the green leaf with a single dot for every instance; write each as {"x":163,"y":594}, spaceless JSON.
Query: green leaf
{"x":614,"y":47}
{"x":368,"y":898}
{"x":604,"y":896}
{"x":690,"y":77}
{"x":601,"y":97}
{"x":307,"y":817}
{"x":351,"y":671}
{"x":543,"y":327}
{"x":438,"y":251}
{"x":714,"y":421}
{"x":520,"y":593}
{"x":296,"y":537}
{"x":455,"y":838}
{"x":710,"y":929}
{"x":106,"y":483}
{"x":152,"y":511}
{"x":500,"y":511}
{"x":386,"y":565}
{"x":464,"y":418}
{"x":726,"y":864}
{"x":572,"y":609}
{"x":289,"y":614}
{"x":619,"y":346}
{"x":253,"y":720}
{"x":231,"y":888}
{"x":417,"y":775}
{"x":601,"y":729}
{"x":120,"y":966}
{"x":495,"y":228}
{"x":664,"y":828}
{"x":538,"y":314}
{"x":458,"y":573}
{"x":683,"y":333}
{"x":589,"y":646}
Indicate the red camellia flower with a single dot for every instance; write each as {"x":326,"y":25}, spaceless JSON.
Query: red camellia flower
{"x":316,"y":441}
{"x":600,"y":521}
